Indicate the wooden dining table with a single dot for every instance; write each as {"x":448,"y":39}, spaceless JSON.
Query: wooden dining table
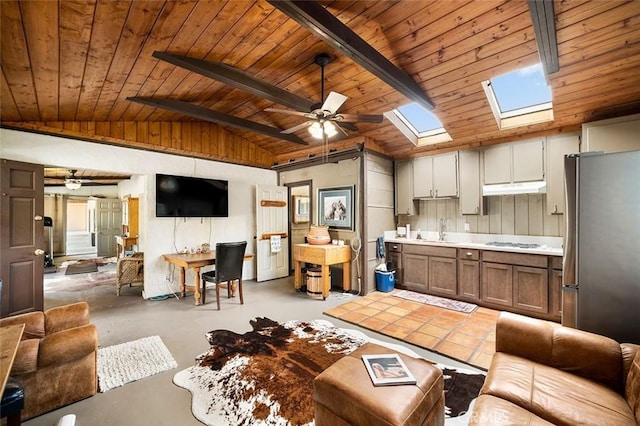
{"x":10,"y":337}
{"x":194,"y":261}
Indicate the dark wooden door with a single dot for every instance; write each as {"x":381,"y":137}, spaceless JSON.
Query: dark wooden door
{"x":21,"y":237}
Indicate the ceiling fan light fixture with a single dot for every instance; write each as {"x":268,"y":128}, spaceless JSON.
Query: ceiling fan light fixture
{"x":73,"y":184}
{"x":319,"y":127}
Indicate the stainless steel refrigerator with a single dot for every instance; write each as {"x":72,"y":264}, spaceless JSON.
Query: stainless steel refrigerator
{"x":601,"y":263}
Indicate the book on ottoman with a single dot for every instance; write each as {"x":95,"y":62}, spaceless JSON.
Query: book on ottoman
{"x":388,"y":369}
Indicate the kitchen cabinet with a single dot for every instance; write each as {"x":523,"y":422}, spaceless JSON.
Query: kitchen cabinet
{"x":442,"y":276}
{"x":497,"y":284}
{"x":416,"y":272}
{"x":528,"y":160}
{"x":497,"y":164}
{"x":404,"y":188}
{"x":529,"y":284}
{"x":514,"y":162}
{"x":555,"y":287}
{"x":430,"y":269}
{"x":393,"y":253}
{"x":557,"y":147}
{"x":530,"y":289}
{"x":618,"y":134}
{"x":469,"y":275}
{"x":436,"y":176}
{"x":516,"y":280}
{"x":469,"y":170}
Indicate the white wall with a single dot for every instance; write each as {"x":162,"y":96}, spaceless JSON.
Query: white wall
{"x":157,"y":235}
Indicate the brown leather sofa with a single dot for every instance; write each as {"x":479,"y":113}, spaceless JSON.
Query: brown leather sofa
{"x":543,"y":373}
{"x":56,"y":359}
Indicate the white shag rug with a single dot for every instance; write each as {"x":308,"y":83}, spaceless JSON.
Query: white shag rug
{"x":131,"y":361}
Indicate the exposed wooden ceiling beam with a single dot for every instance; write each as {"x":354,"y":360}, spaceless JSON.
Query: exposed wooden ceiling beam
{"x":544,"y":26}
{"x":237,"y":78}
{"x":315,"y":18}
{"x":202,"y":113}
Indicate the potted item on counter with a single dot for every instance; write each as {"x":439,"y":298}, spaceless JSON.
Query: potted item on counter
{"x":318,"y":235}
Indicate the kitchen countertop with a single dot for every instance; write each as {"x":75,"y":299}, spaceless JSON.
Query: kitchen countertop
{"x":548,"y":245}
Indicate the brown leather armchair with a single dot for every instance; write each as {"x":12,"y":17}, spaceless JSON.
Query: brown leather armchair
{"x":56,"y":362}
{"x":130,"y":270}
{"x":543,"y":373}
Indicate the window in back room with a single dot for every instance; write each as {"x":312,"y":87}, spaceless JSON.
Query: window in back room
{"x":520,"y":98}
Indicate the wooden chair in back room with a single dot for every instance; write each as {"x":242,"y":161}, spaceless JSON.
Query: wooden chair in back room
{"x":228,"y":269}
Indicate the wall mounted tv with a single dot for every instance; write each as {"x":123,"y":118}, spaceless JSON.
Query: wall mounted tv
{"x":181,"y":196}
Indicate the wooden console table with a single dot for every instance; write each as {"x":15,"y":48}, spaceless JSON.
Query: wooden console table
{"x":323,"y":255}
{"x":195,"y":261}
{"x":10,"y":337}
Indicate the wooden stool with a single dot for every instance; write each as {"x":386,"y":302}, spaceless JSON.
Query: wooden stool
{"x":12,"y":402}
{"x":344,"y":394}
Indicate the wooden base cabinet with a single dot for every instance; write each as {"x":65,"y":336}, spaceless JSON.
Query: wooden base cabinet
{"x":469,"y":280}
{"x":430,"y":269}
{"x":521,"y":282}
{"x":531,"y":289}
{"x":442,"y":276}
{"x":393,"y":253}
{"x":416,"y":272}
{"x":555,"y":299}
{"x":497,"y":284}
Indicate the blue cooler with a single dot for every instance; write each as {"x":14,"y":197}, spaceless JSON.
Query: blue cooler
{"x":385,"y":281}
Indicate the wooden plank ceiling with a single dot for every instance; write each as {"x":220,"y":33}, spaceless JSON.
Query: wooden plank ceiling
{"x":68,"y":67}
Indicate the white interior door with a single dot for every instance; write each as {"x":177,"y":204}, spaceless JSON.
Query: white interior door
{"x":108,"y":225}
{"x":272,"y":217}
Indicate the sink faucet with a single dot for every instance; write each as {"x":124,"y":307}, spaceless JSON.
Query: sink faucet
{"x":443,"y":229}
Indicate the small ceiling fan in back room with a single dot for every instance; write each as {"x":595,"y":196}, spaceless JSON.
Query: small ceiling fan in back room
{"x":324,"y":121}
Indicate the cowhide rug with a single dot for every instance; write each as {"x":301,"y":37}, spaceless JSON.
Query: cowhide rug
{"x":265,"y":376}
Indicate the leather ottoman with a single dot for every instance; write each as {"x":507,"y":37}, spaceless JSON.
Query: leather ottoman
{"x":343,"y":394}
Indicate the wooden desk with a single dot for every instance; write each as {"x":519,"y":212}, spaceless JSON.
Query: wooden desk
{"x":195,"y":261}
{"x":10,"y":337}
{"x":124,"y":242}
{"x":323,"y":255}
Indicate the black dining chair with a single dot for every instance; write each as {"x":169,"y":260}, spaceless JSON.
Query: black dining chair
{"x":228,"y":269}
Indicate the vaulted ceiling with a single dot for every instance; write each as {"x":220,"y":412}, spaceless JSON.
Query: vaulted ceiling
{"x":71,"y":67}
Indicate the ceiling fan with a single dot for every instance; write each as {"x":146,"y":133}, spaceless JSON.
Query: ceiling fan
{"x":324,"y":120}
{"x":55,"y":177}
{"x":72,"y":182}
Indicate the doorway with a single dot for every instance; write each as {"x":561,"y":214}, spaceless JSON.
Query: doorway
{"x":301,"y":203}
{"x":80,"y":218}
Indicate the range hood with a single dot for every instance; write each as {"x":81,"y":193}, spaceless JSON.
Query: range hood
{"x":539,"y":187}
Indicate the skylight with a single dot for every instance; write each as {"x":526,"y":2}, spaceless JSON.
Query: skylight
{"x":520,"y":98}
{"x":421,"y":126}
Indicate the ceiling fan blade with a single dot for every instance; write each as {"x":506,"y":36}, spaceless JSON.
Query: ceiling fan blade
{"x":298,"y":127}
{"x":348,"y":126}
{"x":333,"y":102}
{"x":362,"y":118}
{"x":339,"y":126}
{"x":288,"y":111}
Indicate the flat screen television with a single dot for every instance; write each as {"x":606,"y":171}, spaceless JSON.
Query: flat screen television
{"x":181,"y":196}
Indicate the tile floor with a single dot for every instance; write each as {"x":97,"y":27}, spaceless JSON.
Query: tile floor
{"x":466,"y":337}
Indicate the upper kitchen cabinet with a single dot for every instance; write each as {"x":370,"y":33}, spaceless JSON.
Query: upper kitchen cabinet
{"x":613,"y":135}
{"x":436,"y":176}
{"x":557,"y":147}
{"x":404,"y":188}
{"x":470,"y":195}
{"x":514,"y":162}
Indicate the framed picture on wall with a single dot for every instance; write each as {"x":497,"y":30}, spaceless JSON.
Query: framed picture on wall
{"x":300,"y":209}
{"x":335,"y":207}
